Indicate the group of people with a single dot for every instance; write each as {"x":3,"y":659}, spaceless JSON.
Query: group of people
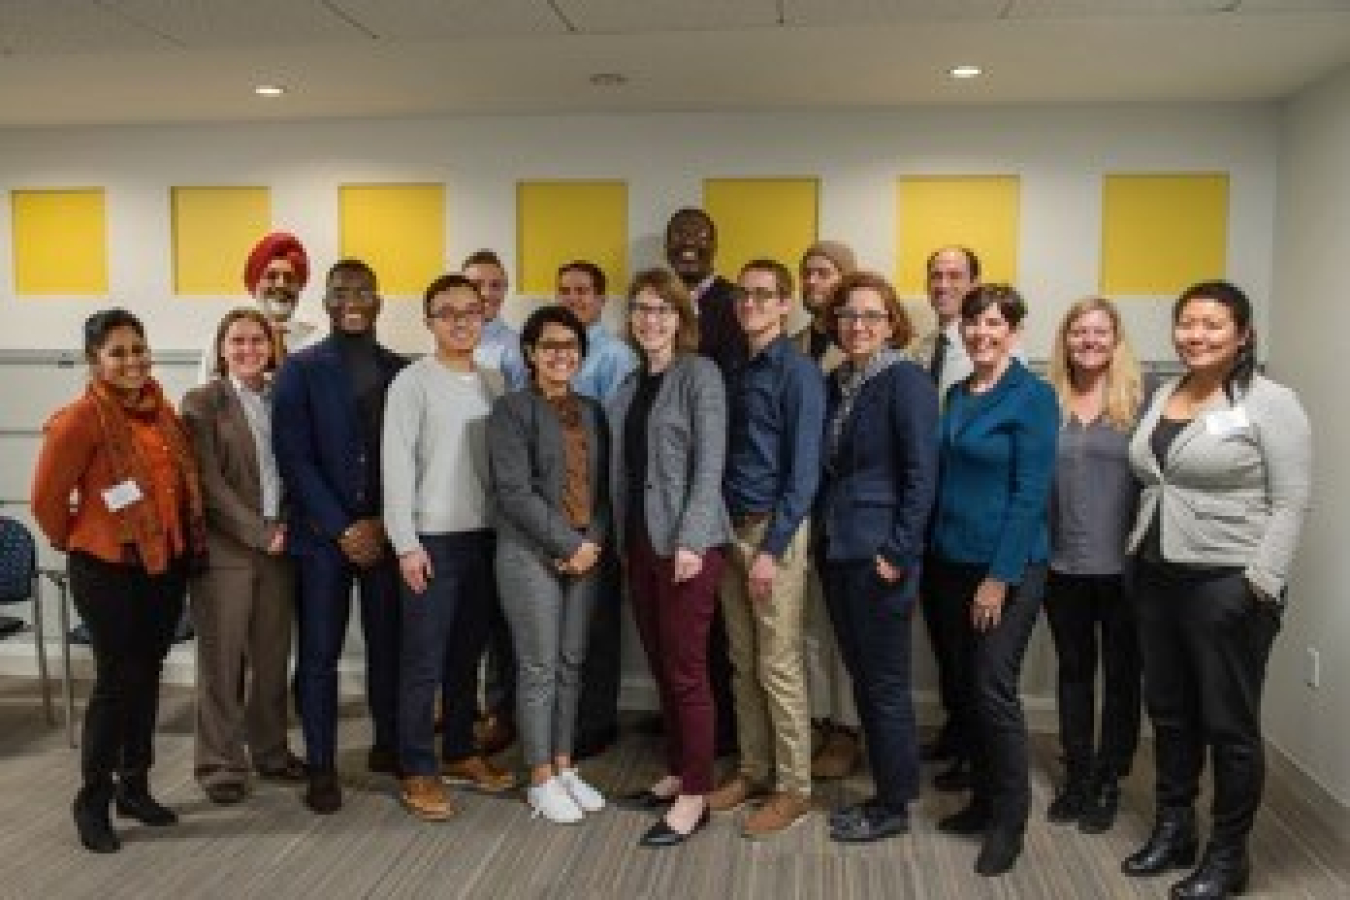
{"x":773,"y":506}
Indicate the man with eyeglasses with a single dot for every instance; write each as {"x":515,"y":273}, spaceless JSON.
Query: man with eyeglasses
{"x":328,"y":412}
{"x":581,"y":288}
{"x":437,"y":514}
{"x":499,"y":346}
{"x":776,"y":410}
{"x":276,"y":271}
{"x":835,"y":729}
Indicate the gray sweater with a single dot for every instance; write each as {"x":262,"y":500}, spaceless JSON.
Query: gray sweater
{"x":1234,"y":488}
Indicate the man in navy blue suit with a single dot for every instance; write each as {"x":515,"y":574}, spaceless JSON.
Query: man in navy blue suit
{"x":328,"y":413}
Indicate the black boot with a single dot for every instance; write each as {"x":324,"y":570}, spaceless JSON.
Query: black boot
{"x":1103,"y":800}
{"x":1171,"y":845}
{"x":1223,"y":872}
{"x":92,"y":819}
{"x":134,"y":802}
{"x":1072,"y":801}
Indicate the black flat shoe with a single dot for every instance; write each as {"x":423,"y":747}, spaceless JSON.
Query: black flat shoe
{"x":292,"y":770}
{"x":643,"y":801}
{"x":662,"y":835}
{"x":999,"y":852}
{"x":873,"y":823}
{"x":92,"y":820}
{"x":224,"y":794}
{"x":136,"y":803}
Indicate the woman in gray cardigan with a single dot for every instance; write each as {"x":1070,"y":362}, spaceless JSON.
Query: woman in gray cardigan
{"x":668,"y":422}
{"x":548,"y":452}
{"x":1224,"y":455}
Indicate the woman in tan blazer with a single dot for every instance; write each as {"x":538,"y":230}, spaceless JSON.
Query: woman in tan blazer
{"x":242,"y":605}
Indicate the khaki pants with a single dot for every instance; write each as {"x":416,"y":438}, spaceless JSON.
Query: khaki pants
{"x":773,"y":716}
{"x":826,"y":676}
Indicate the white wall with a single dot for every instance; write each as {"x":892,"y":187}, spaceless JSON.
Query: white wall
{"x":1059,"y":151}
{"x":1309,"y":321}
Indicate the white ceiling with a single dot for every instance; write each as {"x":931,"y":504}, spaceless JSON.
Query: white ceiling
{"x":129,"y":61}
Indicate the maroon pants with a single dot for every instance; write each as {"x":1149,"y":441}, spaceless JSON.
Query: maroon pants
{"x":673,"y":621}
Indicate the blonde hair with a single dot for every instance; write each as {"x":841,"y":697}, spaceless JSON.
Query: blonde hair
{"x":1124,"y":382}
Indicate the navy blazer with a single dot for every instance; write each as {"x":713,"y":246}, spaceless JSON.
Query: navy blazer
{"x":878,"y":487}
{"x":997,"y":452}
{"x":320,"y":450}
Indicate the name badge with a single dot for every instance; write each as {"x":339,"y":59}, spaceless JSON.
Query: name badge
{"x":1226,"y":421}
{"x":120,"y":496}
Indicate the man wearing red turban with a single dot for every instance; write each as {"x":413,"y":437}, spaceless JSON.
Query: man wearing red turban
{"x":276,"y":270}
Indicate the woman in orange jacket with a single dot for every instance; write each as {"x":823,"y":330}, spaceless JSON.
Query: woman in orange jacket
{"x":116,"y":489}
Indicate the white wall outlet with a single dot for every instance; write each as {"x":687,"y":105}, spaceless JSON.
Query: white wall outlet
{"x":1313,"y":674}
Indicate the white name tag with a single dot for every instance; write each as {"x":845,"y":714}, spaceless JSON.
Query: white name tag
{"x":120,"y":496}
{"x":1226,"y":421}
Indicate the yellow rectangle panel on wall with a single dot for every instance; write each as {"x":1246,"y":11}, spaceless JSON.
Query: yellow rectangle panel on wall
{"x":561,"y":221}
{"x":1162,"y":232}
{"x":60,"y":242}
{"x":776,"y":218}
{"x":399,"y":229}
{"x":981,"y":212}
{"x":214,"y":228}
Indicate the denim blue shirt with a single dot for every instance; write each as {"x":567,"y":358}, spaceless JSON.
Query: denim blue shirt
{"x":607,"y":361}
{"x":776,"y":407}
{"x":499,"y":348}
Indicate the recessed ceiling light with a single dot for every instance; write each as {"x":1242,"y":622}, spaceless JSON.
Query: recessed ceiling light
{"x":609,"y":79}
{"x":269,"y":90}
{"x":965,"y":71}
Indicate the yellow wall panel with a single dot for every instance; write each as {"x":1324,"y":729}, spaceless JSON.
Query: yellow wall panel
{"x":399,"y":229}
{"x":60,"y":242}
{"x":214,"y":228}
{"x":981,"y":212}
{"x":775,"y":218}
{"x":1162,"y":232}
{"x":561,"y":221}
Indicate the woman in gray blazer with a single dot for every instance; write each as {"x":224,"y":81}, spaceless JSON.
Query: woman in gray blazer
{"x":548,"y":449}
{"x":1224,"y":455}
{"x":668,"y":425}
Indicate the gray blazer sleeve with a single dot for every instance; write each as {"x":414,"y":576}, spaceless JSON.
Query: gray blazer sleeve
{"x":512,"y":444}
{"x":697,"y":527}
{"x":1285,"y":439}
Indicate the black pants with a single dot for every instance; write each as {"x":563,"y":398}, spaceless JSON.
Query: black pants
{"x":598,"y":708}
{"x":131,"y":616}
{"x":1206,"y":640}
{"x":988,"y":673}
{"x":944,"y":647}
{"x":872,"y":620}
{"x":1091,"y":618}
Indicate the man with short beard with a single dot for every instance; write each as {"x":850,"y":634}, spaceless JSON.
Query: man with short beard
{"x":276,"y":271}
{"x":835,"y":718}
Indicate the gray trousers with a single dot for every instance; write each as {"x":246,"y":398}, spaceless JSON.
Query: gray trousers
{"x":550,"y":619}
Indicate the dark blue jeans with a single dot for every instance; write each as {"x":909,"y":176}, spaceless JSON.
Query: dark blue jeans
{"x":871,"y":620}
{"x":326,"y":581}
{"x":444,"y":632}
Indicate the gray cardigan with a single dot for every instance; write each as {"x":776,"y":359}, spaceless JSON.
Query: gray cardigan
{"x":1234,"y":490}
{"x":686,"y":451}
{"x":527,"y":465}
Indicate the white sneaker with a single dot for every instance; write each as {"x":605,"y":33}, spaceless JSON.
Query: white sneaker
{"x":587,"y":797}
{"x":552,"y":801}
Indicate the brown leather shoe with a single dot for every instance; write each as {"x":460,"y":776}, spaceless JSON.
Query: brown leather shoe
{"x":478,"y":773}
{"x":733,"y":793}
{"x":493,"y":733}
{"x":425,"y":798}
{"x":779,"y":813}
{"x":838,"y":757}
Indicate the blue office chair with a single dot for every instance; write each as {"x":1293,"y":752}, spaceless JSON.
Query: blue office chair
{"x":19,"y":584}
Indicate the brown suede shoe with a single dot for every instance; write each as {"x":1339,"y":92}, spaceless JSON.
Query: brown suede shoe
{"x":493,"y":733}
{"x":733,"y":793}
{"x":425,"y":798}
{"x":779,"y":813}
{"x":838,"y":757}
{"x":478,"y":773}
